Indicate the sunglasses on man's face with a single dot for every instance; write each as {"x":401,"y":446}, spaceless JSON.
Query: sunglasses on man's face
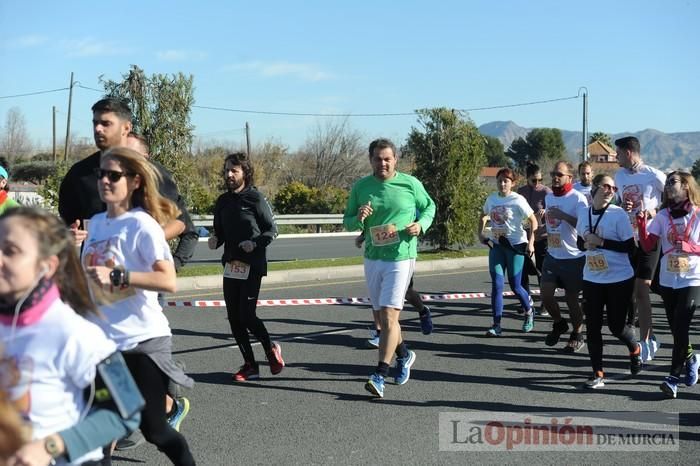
{"x":558,"y":174}
{"x":111,"y":175}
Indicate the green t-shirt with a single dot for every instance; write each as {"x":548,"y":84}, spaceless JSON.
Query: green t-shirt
{"x":8,"y":204}
{"x":395,"y":203}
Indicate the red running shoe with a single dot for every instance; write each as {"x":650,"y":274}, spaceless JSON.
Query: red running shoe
{"x":275,"y":359}
{"x":246,"y":372}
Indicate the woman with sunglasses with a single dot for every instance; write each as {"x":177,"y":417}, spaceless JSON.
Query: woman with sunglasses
{"x":676,"y":227}
{"x":509,"y":242}
{"x":606,"y":237}
{"x":128,"y":261}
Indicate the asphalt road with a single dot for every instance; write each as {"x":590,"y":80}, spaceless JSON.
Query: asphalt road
{"x":317,"y":411}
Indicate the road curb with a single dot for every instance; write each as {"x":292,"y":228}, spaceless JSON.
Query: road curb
{"x":208,"y":282}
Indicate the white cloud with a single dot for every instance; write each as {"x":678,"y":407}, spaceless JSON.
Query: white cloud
{"x":89,"y":47}
{"x":303,"y":71}
{"x":27,"y":41}
{"x":180,"y":55}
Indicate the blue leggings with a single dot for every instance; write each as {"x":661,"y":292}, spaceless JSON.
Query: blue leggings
{"x":501,"y":260}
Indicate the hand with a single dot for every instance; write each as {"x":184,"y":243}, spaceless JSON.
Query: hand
{"x":530,"y":249}
{"x":247,"y":245}
{"x":359,"y":240}
{"x":100,"y":275}
{"x":364,"y":211}
{"x":555,"y":212}
{"x":78,"y":234}
{"x":212,"y":241}
{"x":413,"y":229}
{"x":31,"y":454}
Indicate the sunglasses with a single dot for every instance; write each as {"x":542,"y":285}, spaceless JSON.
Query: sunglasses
{"x":558,"y":174}
{"x":111,"y":175}
{"x":609,"y":187}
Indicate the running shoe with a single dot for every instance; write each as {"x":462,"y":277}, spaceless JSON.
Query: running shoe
{"x":131,"y":441}
{"x":644,"y":347}
{"x":542,"y":311}
{"x":670,"y":386}
{"x":426,"y":322}
{"x":636,"y":361}
{"x":247,"y":372}
{"x":653,"y":347}
{"x":494,"y":331}
{"x":374,"y":338}
{"x":182,"y":408}
{"x":558,"y":329}
{"x":274,"y":357}
{"x":529,"y":322}
{"x":375,"y":385}
{"x":575,"y":344}
{"x":596,"y":381}
{"x":691,"y":370}
{"x":403,"y":368}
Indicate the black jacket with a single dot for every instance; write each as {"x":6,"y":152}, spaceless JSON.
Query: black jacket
{"x":240,"y":217}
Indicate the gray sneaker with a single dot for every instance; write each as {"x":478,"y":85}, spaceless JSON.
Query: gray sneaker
{"x":131,"y":441}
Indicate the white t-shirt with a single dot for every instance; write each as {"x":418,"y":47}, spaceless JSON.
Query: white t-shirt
{"x":135,"y":241}
{"x":561,"y":237}
{"x":585,"y":190}
{"x":507,"y":215}
{"x":604,"y":265}
{"x":49,"y":363}
{"x":678,"y":270}
{"x":643,"y":187}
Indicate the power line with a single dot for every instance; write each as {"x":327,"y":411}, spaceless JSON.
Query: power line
{"x":101,"y":91}
{"x":33,"y":93}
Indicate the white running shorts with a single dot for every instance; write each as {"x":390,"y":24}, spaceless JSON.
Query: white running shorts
{"x":387,"y":282}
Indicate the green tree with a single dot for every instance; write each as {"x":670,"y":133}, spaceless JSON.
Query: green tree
{"x":298,"y":198}
{"x":49,"y":190}
{"x":602,"y":137}
{"x":495,"y":155}
{"x":695,"y":170}
{"x":162,"y":105}
{"x":541,"y":145}
{"x":449,"y":155}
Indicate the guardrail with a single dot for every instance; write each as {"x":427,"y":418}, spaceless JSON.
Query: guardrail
{"x":207,"y":221}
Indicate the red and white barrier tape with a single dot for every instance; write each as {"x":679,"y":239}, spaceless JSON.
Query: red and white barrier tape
{"x":330,"y":301}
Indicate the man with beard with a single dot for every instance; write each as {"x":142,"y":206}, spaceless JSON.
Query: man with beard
{"x":640,"y":190}
{"x":585,"y":177}
{"x":563,"y":264}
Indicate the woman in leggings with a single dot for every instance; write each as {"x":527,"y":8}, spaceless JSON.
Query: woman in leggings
{"x":244,"y":224}
{"x":677,"y":227}
{"x":128,"y":261}
{"x":606,"y":236}
{"x":509,"y":243}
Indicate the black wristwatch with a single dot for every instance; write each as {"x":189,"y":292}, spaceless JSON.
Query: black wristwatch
{"x":51,"y":447}
{"x":119,"y":277}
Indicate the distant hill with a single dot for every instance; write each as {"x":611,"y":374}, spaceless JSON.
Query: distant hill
{"x":661,"y":150}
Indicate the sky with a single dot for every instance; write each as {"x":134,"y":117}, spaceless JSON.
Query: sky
{"x":638,"y":61}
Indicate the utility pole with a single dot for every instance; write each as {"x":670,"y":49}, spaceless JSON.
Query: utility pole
{"x":584,"y":140}
{"x":247,"y":138}
{"x":54,"y":133}
{"x":70,"y":103}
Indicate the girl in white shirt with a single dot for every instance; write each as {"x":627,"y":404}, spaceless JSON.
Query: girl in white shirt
{"x":676,"y":227}
{"x":128,"y":261}
{"x":606,"y":236}
{"x":48,"y":350}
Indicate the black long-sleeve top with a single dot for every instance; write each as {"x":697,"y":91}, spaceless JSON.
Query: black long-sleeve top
{"x":244,"y":216}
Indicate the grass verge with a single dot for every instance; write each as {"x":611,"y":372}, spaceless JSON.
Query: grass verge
{"x":193,"y":270}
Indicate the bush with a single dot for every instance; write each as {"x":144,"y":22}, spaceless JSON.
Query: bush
{"x":298,"y":198}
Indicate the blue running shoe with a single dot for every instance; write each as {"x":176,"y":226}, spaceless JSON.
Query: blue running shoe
{"x":374,"y":338}
{"x":403,"y":368}
{"x":670,"y":386}
{"x":182,"y":408}
{"x":691,"y":370}
{"x":529,"y":322}
{"x":375,"y":385}
{"x":426,"y":321}
{"x":494,"y":331}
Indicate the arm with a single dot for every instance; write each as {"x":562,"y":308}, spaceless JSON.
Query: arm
{"x":352,"y":218}
{"x":426,"y":207}
{"x":100,"y":427}
{"x":481,"y":222}
{"x":531,"y":233}
{"x":266,"y":223}
{"x":646,"y":240}
{"x":173,"y":229}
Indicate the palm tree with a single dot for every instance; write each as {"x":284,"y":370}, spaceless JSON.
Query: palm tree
{"x":602,"y":137}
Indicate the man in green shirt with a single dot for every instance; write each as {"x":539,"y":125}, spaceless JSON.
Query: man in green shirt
{"x":384,"y":205}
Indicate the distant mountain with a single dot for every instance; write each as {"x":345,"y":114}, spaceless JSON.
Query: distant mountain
{"x":661,"y":150}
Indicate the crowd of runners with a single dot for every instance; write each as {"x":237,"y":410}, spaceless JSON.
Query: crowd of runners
{"x":87,"y":328}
